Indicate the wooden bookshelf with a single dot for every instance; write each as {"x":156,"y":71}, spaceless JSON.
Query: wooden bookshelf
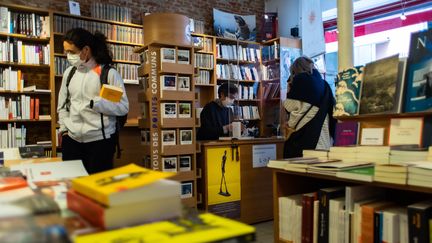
{"x":34,"y":74}
{"x":286,"y":183}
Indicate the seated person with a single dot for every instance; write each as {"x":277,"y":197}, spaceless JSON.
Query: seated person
{"x":216,"y":116}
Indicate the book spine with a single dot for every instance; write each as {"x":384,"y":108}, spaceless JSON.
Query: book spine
{"x":86,"y":208}
{"x":323,"y":218}
{"x":418,"y":230}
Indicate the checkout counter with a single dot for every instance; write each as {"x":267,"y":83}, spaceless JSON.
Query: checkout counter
{"x":235,"y":181}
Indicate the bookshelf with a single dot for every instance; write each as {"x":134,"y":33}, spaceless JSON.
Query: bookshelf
{"x":26,"y":116}
{"x":277,"y":56}
{"x":167,"y":99}
{"x":122,"y":39}
{"x":287,"y":183}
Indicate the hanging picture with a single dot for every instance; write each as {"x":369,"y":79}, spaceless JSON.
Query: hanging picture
{"x":234,"y":26}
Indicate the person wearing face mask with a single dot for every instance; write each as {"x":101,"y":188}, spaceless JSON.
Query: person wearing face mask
{"x":82,"y":113}
{"x":216,"y":117}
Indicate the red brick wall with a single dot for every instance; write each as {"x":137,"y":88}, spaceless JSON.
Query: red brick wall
{"x":197,"y":9}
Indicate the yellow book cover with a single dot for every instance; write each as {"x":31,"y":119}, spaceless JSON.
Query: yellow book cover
{"x":126,"y":184}
{"x":204,"y":228}
{"x":111,"y":92}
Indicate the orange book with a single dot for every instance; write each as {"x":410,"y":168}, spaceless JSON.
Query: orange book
{"x":36,"y":107}
{"x":8,"y":183}
{"x":367,"y":219}
{"x":19,"y":81}
{"x":32,"y":105}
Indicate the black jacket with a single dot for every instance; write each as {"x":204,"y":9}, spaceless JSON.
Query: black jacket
{"x":213,"y":117}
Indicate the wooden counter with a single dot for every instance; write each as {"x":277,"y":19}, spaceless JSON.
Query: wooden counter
{"x":256,"y":183}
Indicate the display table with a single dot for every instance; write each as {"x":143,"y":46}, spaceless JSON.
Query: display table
{"x":234,"y":180}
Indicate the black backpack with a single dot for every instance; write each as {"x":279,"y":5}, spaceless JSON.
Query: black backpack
{"x":120,"y":120}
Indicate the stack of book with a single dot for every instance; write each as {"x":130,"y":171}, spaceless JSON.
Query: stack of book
{"x":299,"y":164}
{"x":347,"y":153}
{"x":320,"y":154}
{"x":374,"y":154}
{"x":420,"y":174}
{"x":391,"y":173}
{"x":333,"y":167}
{"x":429,"y":156}
{"x":125,"y":196}
{"x":408,"y":154}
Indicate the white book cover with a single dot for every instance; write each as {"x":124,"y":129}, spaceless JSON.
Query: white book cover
{"x":52,"y":171}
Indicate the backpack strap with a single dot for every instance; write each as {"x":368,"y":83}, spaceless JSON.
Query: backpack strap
{"x":104,"y":80}
{"x":67,"y":100}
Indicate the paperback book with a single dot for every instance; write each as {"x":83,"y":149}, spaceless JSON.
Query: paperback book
{"x":348,"y":88}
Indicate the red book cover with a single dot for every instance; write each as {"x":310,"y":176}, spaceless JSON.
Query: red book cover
{"x":307,"y":217}
{"x":36,"y":107}
{"x":90,"y":210}
{"x":32,"y":105}
{"x":8,"y":183}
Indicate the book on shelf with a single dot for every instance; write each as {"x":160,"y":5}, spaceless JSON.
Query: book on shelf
{"x":147,"y":210}
{"x":320,"y":154}
{"x":348,"y":89}
{"x":367,"y":219}
{"x":280,"y":164}
{"x":418,"y":221}
{"x":379,"y":94}
{"x":333,"y":167}
{"x":126,"y":184}
{"x":346,"y":133}
{"x":307,"y":225}
{"x":336,"y":222}
{"x":111,"y":93}
{"x":290,"y":217}
{"x":418,"y":73}
{"x":410,"y":131}
{"x":25,"y":23}
{"x":9,"y":183}
{"x":360,"y":174}
{"x":324,"y":196}
{"x":31,"y":151}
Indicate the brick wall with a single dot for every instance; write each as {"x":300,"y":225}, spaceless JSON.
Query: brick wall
{"x":197,"y":9}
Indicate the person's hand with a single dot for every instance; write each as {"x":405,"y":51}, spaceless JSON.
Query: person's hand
{"x":288,"y":130}
{"x":227,"y":128}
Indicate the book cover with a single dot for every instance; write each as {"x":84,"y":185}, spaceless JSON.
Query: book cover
{"x":126,"y":184}
{"x":379,"y":86}
{"x":348,"y":88}
{"x":346,"y":133}
{"x":202,"y":228}
{"x":111,"y":93}
{"x":418,"y":218}
{"x":8,"y":183}
{"x":123,"y":215}
{"x":404,"y":131}
{"x":324,"y":196}
{"x":308,"y":200}
{"x":361,"y":174}
{"x":419,"y":72}
{"x":367,"y":219}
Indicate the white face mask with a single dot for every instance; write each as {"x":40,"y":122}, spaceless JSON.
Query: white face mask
{"x":74,"y":59}
{"x":227,"y":102}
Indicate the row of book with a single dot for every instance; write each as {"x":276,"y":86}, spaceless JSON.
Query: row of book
{"x":13,"y":50}
{"x":246,"y":112}
{"x":112,"y":32}
{"x":204,"y":77}
{"x":235,"y":52}
{"x":389,"y":85}
{"x":11,"y":79}
{"x":123,"y":53}
{"x":129,"y":72}
{"x":61,"y":64}
{"x":270,"y":52}
{"x":247,"y":92}
{"x":271,"y":91}
{"x":198,"y":26}
{"x":352,"y":214}
{"x":271,"y":71}
{"x":237,"y":72}
{"x":106,"y":11}
{"x":23,"y":107}
{"x":202,"y":43}
{"x":29,"y":24}
{"x":204,"y":61}
{"x":395,"y":131}
{"x":13,"y":136}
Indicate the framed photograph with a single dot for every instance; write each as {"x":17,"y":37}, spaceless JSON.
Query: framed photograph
{"x":169,"y":164}
{"x":185,"y":136}
{"x":183,"y":83}
{"x":186,"y":190}
{"x":169,"y":110}
{"x":183,"y":56}
{"x":184,"y":110}
{"x":74,"y":8}
{"x":168,"y":137}
{"x":145,"y":137}
{"x":168,"y":55}
{"x":185,"y":163}
{"x":168,"y":82}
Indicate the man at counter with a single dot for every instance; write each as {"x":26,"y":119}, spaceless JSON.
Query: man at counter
{"x":216,"y":116}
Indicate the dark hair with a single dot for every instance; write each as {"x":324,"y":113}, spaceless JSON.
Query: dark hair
{"x":227,"y":88}
{"x":97,"y":43}
{"x":302,"y":64}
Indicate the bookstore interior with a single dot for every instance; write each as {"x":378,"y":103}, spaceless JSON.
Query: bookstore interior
{"x":147,"y":121}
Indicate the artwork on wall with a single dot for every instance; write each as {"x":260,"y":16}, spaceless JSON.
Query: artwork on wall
{"x":234,"y":26}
